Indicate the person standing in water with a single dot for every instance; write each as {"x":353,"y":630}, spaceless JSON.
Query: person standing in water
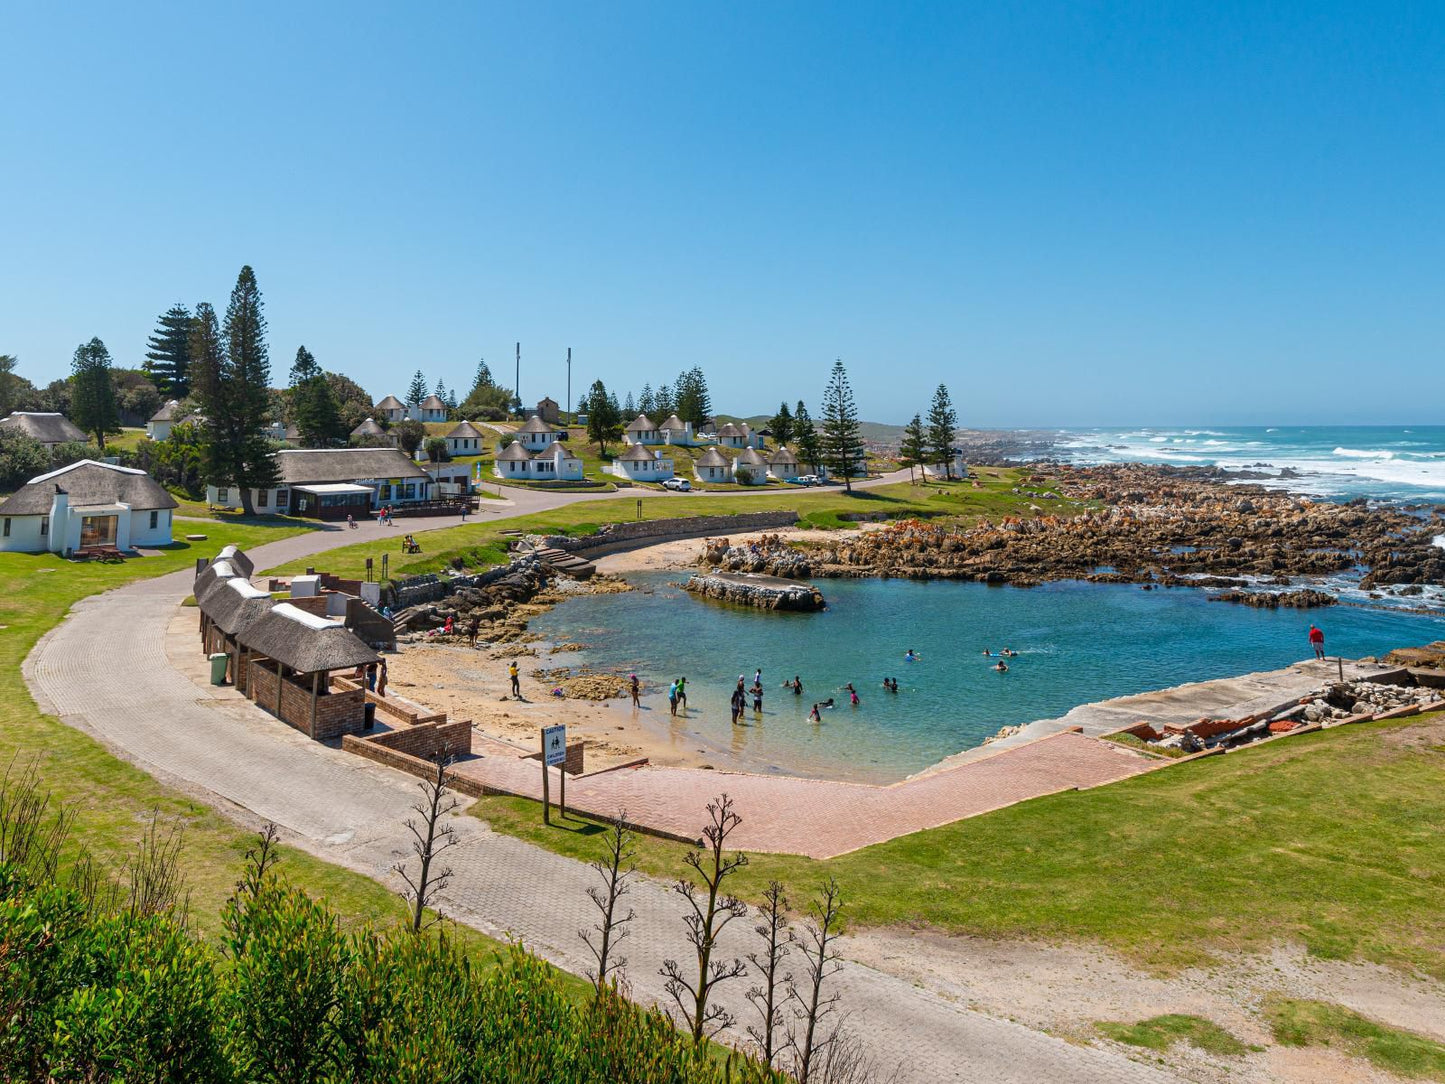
{"x":815,"y":716}
{"x":852,"y":694}
{"x":635,"y":688}
{"x":682,"y":694}
{"x":757,"y":691}
{"x":672,"y":698}
{"x":1317,"y":641}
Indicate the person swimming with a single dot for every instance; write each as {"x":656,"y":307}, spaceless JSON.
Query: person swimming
{"x":987,"y":654}
{"x":826,"y":703}
{"x":1001,"y":666}
{"x":910,"y":655}
{"x":1008,"y":653}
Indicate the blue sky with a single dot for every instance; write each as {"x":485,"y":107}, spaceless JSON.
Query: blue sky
{"x":1081,"y":214}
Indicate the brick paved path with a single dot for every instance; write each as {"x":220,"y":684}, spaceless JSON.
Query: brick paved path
{"x":104,"y":670}
{"x":818,"y":817}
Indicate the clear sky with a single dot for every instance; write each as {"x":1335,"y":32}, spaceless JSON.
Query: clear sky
{"x":1073,"y":214}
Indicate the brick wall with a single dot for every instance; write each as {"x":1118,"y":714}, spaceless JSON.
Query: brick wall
{"x":339,"y":712}
{"x":573,"y":765}
{"x":427,"y":740}
{"x":312,"y":604}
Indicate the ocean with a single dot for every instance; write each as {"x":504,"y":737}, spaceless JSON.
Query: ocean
{"x":1388,"y":463}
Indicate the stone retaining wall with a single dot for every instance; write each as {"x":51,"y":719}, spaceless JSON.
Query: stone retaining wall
{"x":338,"y":712}
{"x":425,"y":741}
{"x":620,"y":536}
{"x":431,"y":587}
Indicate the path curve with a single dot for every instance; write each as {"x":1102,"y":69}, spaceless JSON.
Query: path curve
{"x":104,"y":670}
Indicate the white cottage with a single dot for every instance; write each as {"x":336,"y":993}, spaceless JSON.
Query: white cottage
{"x":783,"y":465}
{"x":642,"y":430}
{"x":712,"y":466}
{"x":392,"y":409}
{"x":738,"y":435}
{"x":940,"y":470}
{"x":750,"y":468}
{"x":536,"y":435}
{"x":678,"y":432}
{"x":49,"y":429}
{"x":430,"y":409}
{"x":87,"y":505}
{"x":637,"y":464}
{"x":555,"y":464}
{"x":465,"y":439}
{"x":330,"y":483}
{"x":368,"y":432}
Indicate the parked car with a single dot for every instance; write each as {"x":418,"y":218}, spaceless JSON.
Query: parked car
{"x":680,"y":485}
{"x":809,"y":480}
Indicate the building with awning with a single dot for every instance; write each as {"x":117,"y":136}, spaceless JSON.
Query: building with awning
{"x":331,"y":500}
{"x":310,"y":477}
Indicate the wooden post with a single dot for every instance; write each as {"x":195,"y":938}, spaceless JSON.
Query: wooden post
{"x":280,"y":677}
{"x":315,"y":688}
{"x":546,"y":795}
{"x":1341,"y":660}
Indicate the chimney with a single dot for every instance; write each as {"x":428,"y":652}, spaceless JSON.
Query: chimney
{"x":59,"y":521}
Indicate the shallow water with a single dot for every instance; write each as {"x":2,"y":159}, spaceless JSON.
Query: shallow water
{"x":1078,"y":642}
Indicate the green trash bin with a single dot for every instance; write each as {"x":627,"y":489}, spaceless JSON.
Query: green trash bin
{"x":218,"y":668}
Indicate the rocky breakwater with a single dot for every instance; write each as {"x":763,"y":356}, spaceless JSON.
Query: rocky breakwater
{"x":759,"y":592}
{"x":1152,"y":525}
{"x":502,"y":607}
{"x":768,"y":556}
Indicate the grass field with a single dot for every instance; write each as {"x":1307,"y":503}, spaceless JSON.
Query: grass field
{"x":1319,"y":1023}
{"x":1334,"y":839}
{"x":113,"y":800}
{"x":480,"y":543}
{"x":1162,"y":1032}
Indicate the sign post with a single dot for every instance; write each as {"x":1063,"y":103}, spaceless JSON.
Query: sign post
{"x":554,"y":752}
{"x":639,"y":508}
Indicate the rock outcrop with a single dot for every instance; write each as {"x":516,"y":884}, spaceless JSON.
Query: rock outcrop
{"x":768,"y":556}
{"x":1305,"y":599}
{"x":763,"y":593}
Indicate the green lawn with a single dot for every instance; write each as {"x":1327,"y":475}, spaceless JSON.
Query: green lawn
{"x":1335,"y":839}
{"x":818,"y":507}
{"x":1319,"y":1023}
{"x":1161,"y":1032}
{"x":113,"y":800}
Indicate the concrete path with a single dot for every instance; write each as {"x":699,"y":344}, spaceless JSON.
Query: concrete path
{"x":104,"y":670}
{"x":823,"y":818}
{"x":1221,"y":698}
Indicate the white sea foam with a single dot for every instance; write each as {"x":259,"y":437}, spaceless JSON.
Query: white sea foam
{"x":1364,"y":453}
{"x":1440,"y":541}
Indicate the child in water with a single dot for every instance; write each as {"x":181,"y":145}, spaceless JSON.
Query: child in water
{"x":815,"y":716}
{"x":852,"y":694}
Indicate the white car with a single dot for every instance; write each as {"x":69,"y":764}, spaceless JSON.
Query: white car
{"x":680,"y":485}
{"x":808,"y":480}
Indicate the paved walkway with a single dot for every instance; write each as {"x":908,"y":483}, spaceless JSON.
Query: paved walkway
{"x":822,"y":818}
{"x":104,"y":670}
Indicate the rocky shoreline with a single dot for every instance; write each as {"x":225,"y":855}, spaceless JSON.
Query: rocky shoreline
{"x":759,"y":592}
{"x":1158,"y":526}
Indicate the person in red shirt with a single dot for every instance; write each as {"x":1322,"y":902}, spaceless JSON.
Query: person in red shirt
{"x":1317,"y":641}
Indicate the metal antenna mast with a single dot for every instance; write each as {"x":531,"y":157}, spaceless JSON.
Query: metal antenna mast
{"x":517,"y":384}
{"x":569,"y":380}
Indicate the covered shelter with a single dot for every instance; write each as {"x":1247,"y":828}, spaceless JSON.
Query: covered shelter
{"x":332,"y":500}
{"x":291,"y":656}
{"x":229,"y":608}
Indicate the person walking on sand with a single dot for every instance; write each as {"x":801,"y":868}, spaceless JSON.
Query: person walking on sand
{"x":515,"y":673}
{"x":672,"y":698}
{"x":371,"y":676}
{"x":381,"y":680}
{"x":1317,"y":641}
{"x":473,"y":627}
{"x":635,"y":689}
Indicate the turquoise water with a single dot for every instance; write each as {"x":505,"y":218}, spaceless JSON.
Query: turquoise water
{"x":1078,"y":642}
{"x":1336,"y":461}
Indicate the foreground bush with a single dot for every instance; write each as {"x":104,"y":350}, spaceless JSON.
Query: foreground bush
{"x":93,"y":991}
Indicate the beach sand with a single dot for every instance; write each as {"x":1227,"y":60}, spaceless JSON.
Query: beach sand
{"x":472,"y":683}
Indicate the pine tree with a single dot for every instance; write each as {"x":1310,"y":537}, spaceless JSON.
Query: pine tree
{"x":914,"y":450}
{"x":629,"y":407}
{"x":810,"y":449}
{"x":663,"y":402}
{"x":450,"y":399}
{"x":942,"y":421}
{"x":646,"y":402}
{"x":313,"y":404}
{"x":782,"y":425}
{"x":416,"y":391}
{"x":842,"y":444}
{"x":604,"y":418}
{"x":440,"y":391}
{"x":231,"y":378}
{"x":483,"y":379}
{"x":10,"y":383}
{"x":92,"y":402}
{"x":304,"y":368}
{"x":691,"y":401}
{"x":167,"y":358}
